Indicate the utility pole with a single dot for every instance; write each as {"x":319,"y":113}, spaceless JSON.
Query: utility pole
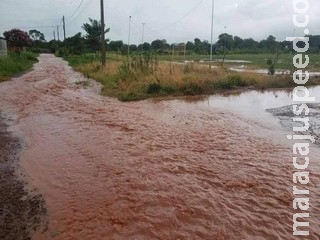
{"x":54,"y":35}
{"x":172,"y":57}
{"x":294,"y":35}
{"x":64,"y":27}
{"x":129,"y":37}
{"x":143,"y":24}
{"x":58,"y":32}
{"x":212,"y":22}
{"x":225,"y":40}
{"x":103,"y":40}
{"x":185,"y":50}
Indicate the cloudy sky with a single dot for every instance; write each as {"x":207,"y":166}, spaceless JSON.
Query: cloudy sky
{"x":174,"y":20}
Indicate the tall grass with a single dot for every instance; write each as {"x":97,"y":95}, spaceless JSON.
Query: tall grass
{"x":143,"y":76}
{"x":15,"y":63}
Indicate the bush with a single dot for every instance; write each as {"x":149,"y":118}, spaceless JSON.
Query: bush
{"x":153,"y":88}
{"x":192,"y":89}
{"x":169,"y":89}
{"x":232,"y":82}
{"x":29,"y":56}
{"x":271,"y":66}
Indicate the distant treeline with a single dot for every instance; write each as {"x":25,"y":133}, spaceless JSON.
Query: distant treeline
{"x":79,"y":44}
{"x":90,"y":42}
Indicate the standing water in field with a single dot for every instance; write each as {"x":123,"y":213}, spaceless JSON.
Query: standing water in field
{"x":219,"y":168}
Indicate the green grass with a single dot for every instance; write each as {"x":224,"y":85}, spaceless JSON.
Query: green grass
{"x":174,"y":80}
{"x":14,"y":64}
{"x":285,"y":61}
{"x":76,"y":60}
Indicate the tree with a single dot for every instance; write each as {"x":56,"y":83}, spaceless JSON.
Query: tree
{"x":75,"y":44}
{"x":238,"y":42}
{"x":115,"y":45}
{"x":93,"y":37}
{"x":226,"y":40}
{"x":146,"y":46}
{"x":270,"y":45}
{"x":133,"y":47}
{"x":158,"y":44}
{"x":189,"y":46}
{"x":201,"y":47}
{"x":314,"y":42}
{"x":249,"y":43}
{"x":124,"y":49}
{"x":37,"y":35}
{"x":17,"y":39}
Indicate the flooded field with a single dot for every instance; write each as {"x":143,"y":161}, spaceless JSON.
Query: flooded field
{"x":190,"y":168}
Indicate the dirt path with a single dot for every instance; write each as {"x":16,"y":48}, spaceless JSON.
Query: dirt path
{"x":149,"y":170}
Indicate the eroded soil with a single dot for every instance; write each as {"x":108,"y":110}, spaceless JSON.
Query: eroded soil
{"x":21,"y":211}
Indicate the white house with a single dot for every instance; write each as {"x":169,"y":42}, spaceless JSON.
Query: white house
{"x":3,"y":47}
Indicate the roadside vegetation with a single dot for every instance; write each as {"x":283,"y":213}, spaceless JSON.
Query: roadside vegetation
{"x":144,"y":76}
{"x":16,"y":63}
{"x":161,"y":69}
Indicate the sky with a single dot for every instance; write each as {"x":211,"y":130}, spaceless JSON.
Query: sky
{"x":174,"y":20}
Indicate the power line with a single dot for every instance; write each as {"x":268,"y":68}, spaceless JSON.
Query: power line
{"x":160,"y":34}
{"x":179,"y":20}
{"x":85,"y":7}
{"x":176,"y":22}
{"x":82,"y":1}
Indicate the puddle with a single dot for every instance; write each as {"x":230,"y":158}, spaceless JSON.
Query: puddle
{"x":244,"y":68}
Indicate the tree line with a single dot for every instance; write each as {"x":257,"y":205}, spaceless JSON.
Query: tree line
{"x":90,"y":42}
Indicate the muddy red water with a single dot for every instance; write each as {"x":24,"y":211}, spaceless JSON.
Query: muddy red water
{"x":151,"y":169}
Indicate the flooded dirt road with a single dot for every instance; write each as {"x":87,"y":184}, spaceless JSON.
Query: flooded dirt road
{"x":152,"y":169}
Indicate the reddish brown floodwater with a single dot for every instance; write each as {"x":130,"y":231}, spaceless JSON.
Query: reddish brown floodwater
{"x":153,"y":169}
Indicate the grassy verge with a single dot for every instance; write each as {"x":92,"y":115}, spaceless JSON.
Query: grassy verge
{"x":284,"y":62}
{"x":145,"y":77}
{"x":256,"y":60}
{"x":14,"y":64}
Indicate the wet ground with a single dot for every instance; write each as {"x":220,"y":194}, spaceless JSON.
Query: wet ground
{"x":22,"y":212}
{"x":285,"y":115}
{"x":215,"y":168}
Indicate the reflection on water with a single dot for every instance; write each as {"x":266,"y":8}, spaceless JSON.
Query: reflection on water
{"x":252,"y":104}
{"x":244,"y":68}
{"x":153,"y":170}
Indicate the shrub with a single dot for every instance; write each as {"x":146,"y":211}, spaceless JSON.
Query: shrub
{"x":29,"y":56}
{"x":192,"y":89}
{"x":231,"y":82}
{"x":138,"y":65}
{"x":153,"y":88}
{"x":169,"y":89}
{"x":271,"y":67}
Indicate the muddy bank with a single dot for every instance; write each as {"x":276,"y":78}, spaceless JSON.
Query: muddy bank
{"x":21,"y":212}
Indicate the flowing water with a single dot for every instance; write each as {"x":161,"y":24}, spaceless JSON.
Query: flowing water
{"x":211,"y":168}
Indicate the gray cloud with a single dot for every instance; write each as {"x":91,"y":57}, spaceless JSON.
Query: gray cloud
{"x":244,"y":18}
